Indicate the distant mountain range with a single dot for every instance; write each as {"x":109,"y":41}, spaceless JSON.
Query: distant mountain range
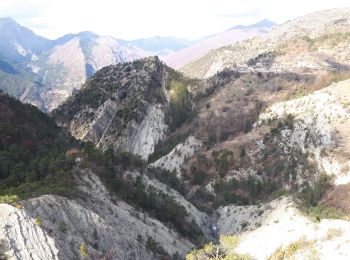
{"x":161,"y":46}
{"x":263,"y":24}
{"x":45,"y":72}
{"x":318,"y":41}
{"x":228,"y":37}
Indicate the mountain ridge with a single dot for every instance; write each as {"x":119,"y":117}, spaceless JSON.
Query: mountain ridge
{"x":230,"y":36}
{"x":318,"y":35}
{"x":265,"y":23}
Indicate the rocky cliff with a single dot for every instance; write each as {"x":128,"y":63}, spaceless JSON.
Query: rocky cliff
{"x":126,"y":106}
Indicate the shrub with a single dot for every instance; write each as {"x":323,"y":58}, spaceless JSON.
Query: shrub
{"x":222,"y":158}
{"x":63,"y":227}
{"x":9,"y":199}
{"x":38,"y":221}
{"x":333,"y":233}
{"x":153,"y":245}
{"x":226,"y":249}
{"x":168,"y":178}
{"x":83,"y":250}
{"x":288,"y":251}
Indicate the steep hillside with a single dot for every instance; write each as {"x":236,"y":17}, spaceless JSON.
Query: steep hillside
{"x":253,"y":161}
{"x":14,"y":79}
{"x":19,"y":43}
{"x":74,"y":58}
{"x":131,"y":106}
{"x":230,"y":36}
{"x":32,"y":149}
{"x":241,"y":138}
{"x":45,"y":72}
{"x":303,"y":147}
{"x":314,"y":42}
{"x":66,"y":200}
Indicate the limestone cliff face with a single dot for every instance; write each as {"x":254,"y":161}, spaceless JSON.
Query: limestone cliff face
{"x":174,"y":160}
{"x":122,"y":106}
{"x":145,"y":136}
{"x":320,"y":127}
{"x":54,"y":227}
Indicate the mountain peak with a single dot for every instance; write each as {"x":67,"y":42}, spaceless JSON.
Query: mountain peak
{"x":87,"y":34}
{"x":7,"y":19}
{"x":265,"y":23}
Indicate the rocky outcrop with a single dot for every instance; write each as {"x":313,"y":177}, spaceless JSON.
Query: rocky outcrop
{"x":103,"y":119}
{"x":266,"y":228}
{"x":23,"y":237}
{"x":131,"y":108}
{"x":144,"y":137}
{"x":174,"y":160}
{"x":320,"y":123}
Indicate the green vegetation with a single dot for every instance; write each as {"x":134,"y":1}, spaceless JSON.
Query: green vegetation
{"x":10,"y":199}
{"x":33,"y":157}
{"x":165,"y":147}
{"x":111,"y":167}
{"x":262,"y":56}
{"x":222,"y":158}
{"x":168,"y":178}
{"x":244,"y":191}
{"x":63,"y":227}
{"x":225,"y":250}
{"x":83,"y":250}
{"x":180,"y":107}
{"x":313,"y":44}
{"x":320,"y":83}
{"x":14,"y":80}
{"x":333,"y":39}
{"x":311,"y":196}
{"x":287,"y":252}
{"x":220,"y":79}
{"x":153,"y":245}
{"x":132,"y":84}
{"x":38,"y":221}
{"x":197,"y":175}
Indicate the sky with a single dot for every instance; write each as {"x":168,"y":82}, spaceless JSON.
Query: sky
{"x":132,"y":19}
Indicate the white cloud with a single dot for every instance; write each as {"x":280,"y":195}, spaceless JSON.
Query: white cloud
{"x":139,"y":18}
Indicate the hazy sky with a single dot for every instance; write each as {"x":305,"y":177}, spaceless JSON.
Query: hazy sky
{"x":132,"y":19}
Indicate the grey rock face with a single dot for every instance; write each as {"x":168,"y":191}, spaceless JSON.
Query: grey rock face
{"x":174,"y":160}
{"x":129,"y":112}
{"x":107,"y":226}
